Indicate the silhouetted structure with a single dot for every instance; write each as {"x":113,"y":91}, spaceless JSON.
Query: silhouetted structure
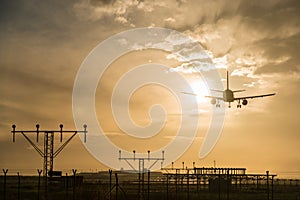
{"x":142,"y":170}
{"x":161,"y":186}
{"x":218,"y":180}
{"x":48,"y":152}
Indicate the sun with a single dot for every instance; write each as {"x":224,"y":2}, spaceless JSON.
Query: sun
{"x":199,"y":88}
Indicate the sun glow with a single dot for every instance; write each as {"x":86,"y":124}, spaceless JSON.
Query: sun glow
{"x":199,"y":89}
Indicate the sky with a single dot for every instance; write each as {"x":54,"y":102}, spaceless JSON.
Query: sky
{"x":44,"y":43}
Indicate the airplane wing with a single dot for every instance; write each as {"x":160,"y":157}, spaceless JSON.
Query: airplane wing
{"x":216,"y":90}
{"x":252,"y":97}
{"x":189,"y":93}
{"x":212,"y":97}
{"x":238,"y":90}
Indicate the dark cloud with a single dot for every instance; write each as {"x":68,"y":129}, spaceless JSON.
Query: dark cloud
{"x":35,"y":15}
{"x":273,"y":18}
{"x":272,"y":31}
{"x":275,"y":48}
{"x":102,"y":2}
{"x":290,"y":66}
{"x":282,"y":54}
{"x":259,"y":9}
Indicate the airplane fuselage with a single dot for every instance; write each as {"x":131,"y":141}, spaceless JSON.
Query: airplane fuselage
{"x":228,"y":95}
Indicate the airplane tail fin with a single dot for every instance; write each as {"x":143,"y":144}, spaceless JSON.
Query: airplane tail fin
{"x":227,"y":79}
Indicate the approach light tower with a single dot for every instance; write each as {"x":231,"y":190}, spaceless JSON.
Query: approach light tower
{"x":49,"y":153}
{"x":141,"y":161}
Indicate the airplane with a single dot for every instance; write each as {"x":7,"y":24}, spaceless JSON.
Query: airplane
{"x":228,"y":96}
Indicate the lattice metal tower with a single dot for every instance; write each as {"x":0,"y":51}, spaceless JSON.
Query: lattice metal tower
{"x":48,"y":153}
{"x":141,"y":161}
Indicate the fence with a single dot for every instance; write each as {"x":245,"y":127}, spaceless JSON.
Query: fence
{"x":116,"y":185}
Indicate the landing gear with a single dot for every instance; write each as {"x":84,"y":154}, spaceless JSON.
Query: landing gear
{"x":239,"y":104}
{"x":218,"y":104}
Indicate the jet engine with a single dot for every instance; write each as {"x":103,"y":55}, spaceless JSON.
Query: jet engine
{"x":213,"y":101}
{"x":245,"y":102}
